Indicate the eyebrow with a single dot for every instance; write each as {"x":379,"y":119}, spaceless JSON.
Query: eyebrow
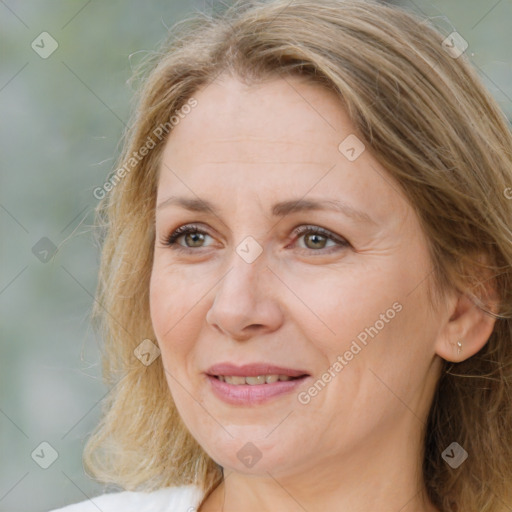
{"x":278,"y":209}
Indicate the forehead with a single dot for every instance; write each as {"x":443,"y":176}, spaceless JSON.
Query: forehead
{"x":279,"y":136}
{"x":281,"y":113}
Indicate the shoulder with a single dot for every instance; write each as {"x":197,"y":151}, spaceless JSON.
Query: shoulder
{"x":184,"y":498}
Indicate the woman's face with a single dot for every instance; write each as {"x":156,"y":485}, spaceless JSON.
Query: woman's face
{"x":254,"y":283}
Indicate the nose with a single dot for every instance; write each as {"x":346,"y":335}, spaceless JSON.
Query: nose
{"x":246,"y":301}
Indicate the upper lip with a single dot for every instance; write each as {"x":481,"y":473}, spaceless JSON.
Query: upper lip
{"x":253,"y":370}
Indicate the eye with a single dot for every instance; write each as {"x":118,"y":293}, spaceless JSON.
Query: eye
{"x":190,"y":233}
{"x":315,"y":238}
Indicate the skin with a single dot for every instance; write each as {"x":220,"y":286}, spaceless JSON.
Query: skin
{"x":357,"y":444}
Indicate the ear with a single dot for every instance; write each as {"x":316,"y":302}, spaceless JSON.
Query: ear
{"x":467,"y":324}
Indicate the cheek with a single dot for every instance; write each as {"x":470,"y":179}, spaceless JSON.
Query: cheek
{"x":369,"y":318}
{"x":334,"y":307}
{"x":177,"y":315}
{"x":159,"y":302}
{"x":171,"y":297}
{"x":167,"y":307}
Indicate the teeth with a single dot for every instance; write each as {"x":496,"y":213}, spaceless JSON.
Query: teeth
{"x":252,"y":381}
{"x":260,"y":379}
{"x":234,"y":380}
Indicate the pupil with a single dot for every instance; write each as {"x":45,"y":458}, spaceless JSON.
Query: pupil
{"x":195,"y":235}
{"x":313,"y":236}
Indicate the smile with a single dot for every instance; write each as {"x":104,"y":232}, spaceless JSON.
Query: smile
{"x":246,"y":391}
{"x":252,"y":381}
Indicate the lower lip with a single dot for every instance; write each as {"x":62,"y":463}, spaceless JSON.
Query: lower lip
{"x":245,"y":394}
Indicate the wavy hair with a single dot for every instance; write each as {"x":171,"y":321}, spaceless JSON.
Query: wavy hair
{"x":428,"y":119}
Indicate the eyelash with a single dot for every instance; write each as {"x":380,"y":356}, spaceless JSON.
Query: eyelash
{"x":171,"y":240}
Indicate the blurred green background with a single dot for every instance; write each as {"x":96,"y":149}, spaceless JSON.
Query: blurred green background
{"x":62,"y":116}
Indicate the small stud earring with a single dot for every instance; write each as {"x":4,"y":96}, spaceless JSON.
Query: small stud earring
{"x":459,"y":347}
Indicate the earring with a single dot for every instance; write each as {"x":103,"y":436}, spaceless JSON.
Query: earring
{"x":459,"y":347}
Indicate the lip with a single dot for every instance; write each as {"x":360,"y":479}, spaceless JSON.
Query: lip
{"x":246,"y":394}
{"x":253,"y":370}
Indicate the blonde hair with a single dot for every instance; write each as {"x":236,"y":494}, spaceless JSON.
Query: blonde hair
{"x":428,"y":120}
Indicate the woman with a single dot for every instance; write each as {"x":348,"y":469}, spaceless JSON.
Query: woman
{"x":305,"y":288}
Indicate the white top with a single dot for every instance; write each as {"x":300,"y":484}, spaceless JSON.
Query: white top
{"x":185,"y":498}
